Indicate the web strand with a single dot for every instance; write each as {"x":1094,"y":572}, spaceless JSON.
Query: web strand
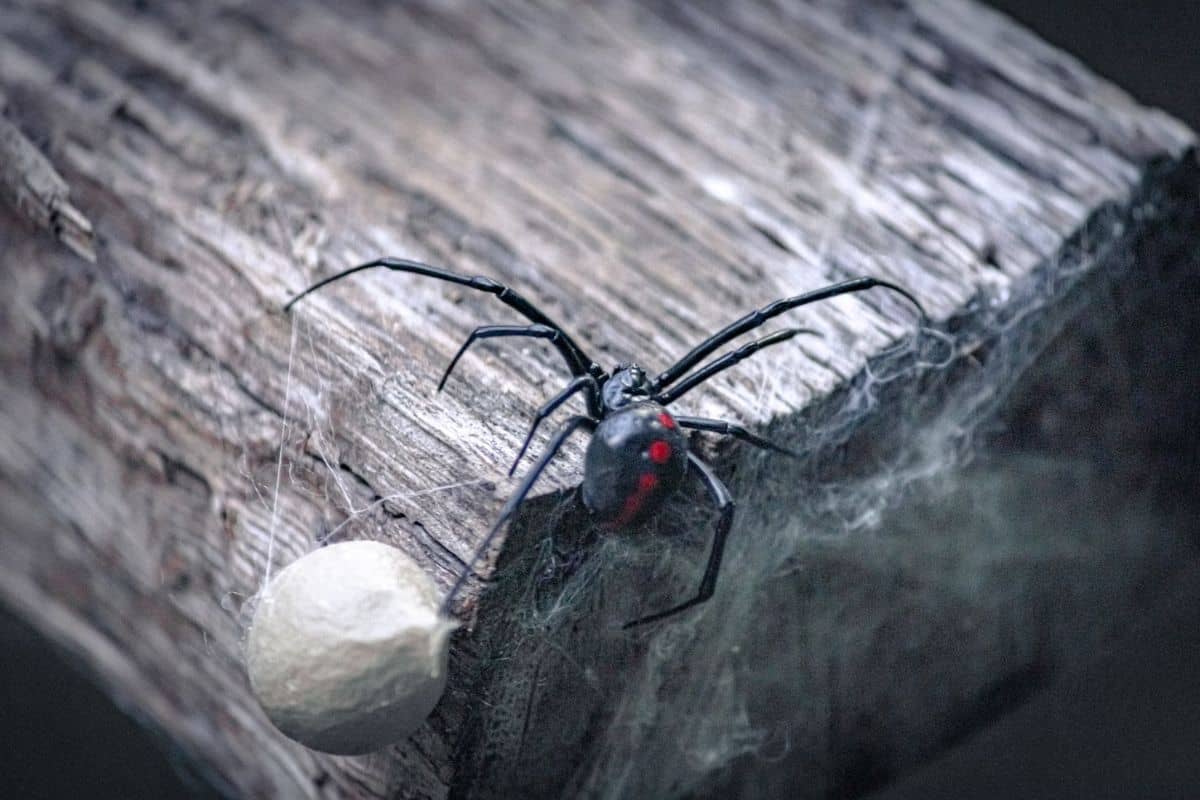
{"x":287,"y":394}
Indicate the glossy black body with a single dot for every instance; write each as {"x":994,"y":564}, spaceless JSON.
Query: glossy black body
{"x":638,"y":454}
{"x":622,"y":453}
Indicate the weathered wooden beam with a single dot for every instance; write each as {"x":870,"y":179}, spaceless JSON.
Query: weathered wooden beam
{"x":646,"y":172}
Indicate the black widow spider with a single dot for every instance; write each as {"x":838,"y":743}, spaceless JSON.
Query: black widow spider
{"x":638,"y":455}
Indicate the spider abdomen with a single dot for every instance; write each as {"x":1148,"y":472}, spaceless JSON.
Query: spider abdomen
{"x":636,"y":458}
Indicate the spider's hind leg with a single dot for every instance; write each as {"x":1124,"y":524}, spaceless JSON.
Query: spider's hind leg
{"x":510,"y":507}
{"x":734,"y":430}
{"x":724,"y":502}
{"x":572,"y":388}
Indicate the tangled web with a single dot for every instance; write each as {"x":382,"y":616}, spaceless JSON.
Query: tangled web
{"x":962,"y":530}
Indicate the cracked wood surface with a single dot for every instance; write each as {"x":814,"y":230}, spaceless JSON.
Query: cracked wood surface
{"x":643,"y":172}
{"x":39,"y":193}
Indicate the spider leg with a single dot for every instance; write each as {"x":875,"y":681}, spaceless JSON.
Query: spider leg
{"x":568,"y":427}
{"x":735,"y":430}
{"x":724,"y":502}
{"x":572,"y":388}
{"x":578,"y":362}
{"x":758,"y":317}
{"x":494,"y":331}
{"x":725,"y":362}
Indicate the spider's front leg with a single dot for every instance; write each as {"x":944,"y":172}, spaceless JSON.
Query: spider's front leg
{"x":554,"y":335}
{"x":726,"y":361}
{"x":756,"y":318}
{"x":577,"y":362}
{"x":581,"y":382}
{"x":724,"y":502}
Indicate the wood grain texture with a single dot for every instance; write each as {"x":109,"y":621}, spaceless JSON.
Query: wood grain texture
{"x":645,"y":172}
{"x":39,"y":193}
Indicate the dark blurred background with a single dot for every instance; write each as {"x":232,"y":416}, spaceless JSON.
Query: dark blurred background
{"x":1149,"y":47}
{"x":62,"y":737}
{"x":1128,"y":725}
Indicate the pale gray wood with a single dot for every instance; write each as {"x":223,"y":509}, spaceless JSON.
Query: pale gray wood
{"x":38,"y":192}
{"x":644,"y":172}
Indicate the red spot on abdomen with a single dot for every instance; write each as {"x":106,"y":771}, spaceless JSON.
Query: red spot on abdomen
{"x":633,"y":504}
{"x":647,"y":482}
{"x":667,"y":421}
{"x":660,"y":451}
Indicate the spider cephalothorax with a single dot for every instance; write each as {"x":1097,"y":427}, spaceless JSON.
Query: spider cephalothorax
{"x":627,"y":384}
{"x":638,"y":455}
